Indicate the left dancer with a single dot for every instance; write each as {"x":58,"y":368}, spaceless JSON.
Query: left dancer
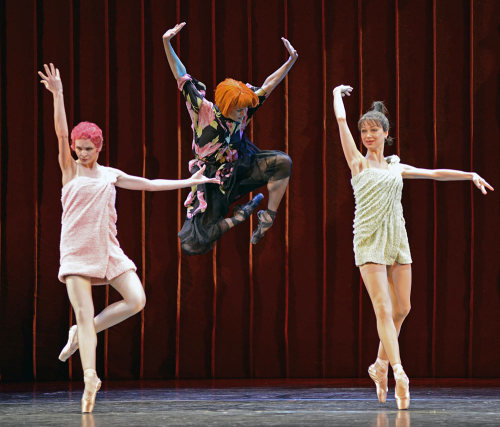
{"x":90,"y":252}
{"x":220,"y":144}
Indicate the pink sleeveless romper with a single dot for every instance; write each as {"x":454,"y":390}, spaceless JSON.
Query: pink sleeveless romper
{"x":89,"y":246}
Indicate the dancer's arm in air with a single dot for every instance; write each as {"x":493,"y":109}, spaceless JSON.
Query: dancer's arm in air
{"x":52,"y":81}
{"x":177,"y":67}
{"x":354,"y":158}
{"x":275,"y":78}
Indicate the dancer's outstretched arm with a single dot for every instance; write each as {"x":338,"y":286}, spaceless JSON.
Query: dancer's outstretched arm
{"x":352,"y":155}
{"x":52,"y":81}
{"x":275,"y":78}
{"x":411,"y":172}
{"x":177,"y":67}
{"x":131,"y":182}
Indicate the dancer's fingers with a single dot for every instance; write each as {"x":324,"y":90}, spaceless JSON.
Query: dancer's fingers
{"x":52,"y":68}
{"x":488,"y":185}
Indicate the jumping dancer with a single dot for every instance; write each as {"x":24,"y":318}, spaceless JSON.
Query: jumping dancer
{"x":381,"y":247}
{"x":220,"y":144}
{"x":90,"y":252}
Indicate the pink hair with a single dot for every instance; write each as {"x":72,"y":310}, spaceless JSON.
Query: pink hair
{"x":87,"y":130}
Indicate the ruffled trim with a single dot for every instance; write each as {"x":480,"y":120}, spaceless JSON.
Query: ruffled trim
{"x":181,"y":81}
{"x":393,"y":160}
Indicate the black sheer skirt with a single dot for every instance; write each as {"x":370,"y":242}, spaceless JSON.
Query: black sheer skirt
{"x":253,"y":169}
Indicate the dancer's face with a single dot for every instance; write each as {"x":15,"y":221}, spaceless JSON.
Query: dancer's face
{"x":237,"y":114}
{"x":373,"y":135}
{"x":86,"y":152}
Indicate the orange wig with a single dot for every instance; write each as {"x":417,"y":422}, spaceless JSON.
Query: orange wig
{"x":231,"y":94}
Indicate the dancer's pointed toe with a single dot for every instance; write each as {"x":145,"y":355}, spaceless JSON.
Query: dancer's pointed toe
{"x":402,"y":392}
{"x":92,"y":386}
{"x":378,"y":373}
{"x":71,"y":346}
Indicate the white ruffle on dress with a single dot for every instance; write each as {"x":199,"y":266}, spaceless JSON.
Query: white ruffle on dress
{"x":379,"y":226}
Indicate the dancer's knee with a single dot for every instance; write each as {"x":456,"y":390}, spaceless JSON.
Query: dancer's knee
{"x":137,"y":302}
{"x":284,"y":165}
{"x":84,"y":315}
{"x":401,"y":312}
{"x":383,"y":311}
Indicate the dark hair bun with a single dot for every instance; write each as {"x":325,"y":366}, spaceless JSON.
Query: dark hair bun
{"x":380,"y":107}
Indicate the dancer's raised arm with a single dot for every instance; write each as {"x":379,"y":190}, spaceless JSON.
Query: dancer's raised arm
{"x":352,"y":155}
{"x":177,"y":67}
{"x":411,"y":172}
{"x":52,"y":81}
{"x":275,"y":78}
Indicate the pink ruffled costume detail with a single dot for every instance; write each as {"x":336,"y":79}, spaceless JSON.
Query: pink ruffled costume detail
{"x":89,"y":246}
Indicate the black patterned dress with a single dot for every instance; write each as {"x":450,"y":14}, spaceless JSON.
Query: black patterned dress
{"x":221,"y":144}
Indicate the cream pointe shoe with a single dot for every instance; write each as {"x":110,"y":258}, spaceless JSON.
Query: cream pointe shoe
{"x":378,"y":373}
{"x":402,"y":392}
{"x":71,"y":346}
{"x":92,"y":386}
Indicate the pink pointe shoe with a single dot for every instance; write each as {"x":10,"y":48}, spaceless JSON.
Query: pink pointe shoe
{"x":402,"y":392}
{"x":378,"y":373}
{"x":92,"y":386}
{"x":71,"y":346}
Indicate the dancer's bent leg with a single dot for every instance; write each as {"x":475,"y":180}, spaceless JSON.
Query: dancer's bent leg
{"x":276,"y":191}
{"x":130,"y":288}
{"x":240,"y":214}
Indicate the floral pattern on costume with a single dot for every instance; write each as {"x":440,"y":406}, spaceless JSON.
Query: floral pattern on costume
{"x":221,"y":145}
{"x":216,"y":139}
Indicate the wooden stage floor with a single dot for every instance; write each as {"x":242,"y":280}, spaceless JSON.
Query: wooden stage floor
{"x":248,"y":403}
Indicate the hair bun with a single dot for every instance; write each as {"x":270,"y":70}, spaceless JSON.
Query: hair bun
{"x":380,"y":107}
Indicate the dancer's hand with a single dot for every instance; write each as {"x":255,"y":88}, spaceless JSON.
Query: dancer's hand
{"x":293,"y":53}
{"x":199,"y":178}
{"x":343,"y":89}
{"x":481,"y":183}
{"x":173,"y":31}
{"x":51,"y":79}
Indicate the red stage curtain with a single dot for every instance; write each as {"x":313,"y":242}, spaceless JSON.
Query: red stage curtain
{"x":293,"y":306}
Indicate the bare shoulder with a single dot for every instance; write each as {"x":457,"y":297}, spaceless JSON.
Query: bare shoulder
{"x":114,"y":171}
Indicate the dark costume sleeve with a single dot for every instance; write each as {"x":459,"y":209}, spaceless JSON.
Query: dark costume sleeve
{"x":192,"y":90}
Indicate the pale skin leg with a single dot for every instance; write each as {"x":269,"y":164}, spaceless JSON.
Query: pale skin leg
{"x":276,"y":191}
{"x":130,"y":288}
{"x":376,"y":283}
{"x":80,"y":295}
{"x":399,"y":277}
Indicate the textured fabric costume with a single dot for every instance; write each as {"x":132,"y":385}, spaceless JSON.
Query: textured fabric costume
{"x":88,"y":234}
{"x":379,"y":227}
{"x":221,"y":145}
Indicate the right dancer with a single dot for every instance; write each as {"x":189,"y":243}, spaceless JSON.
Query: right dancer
{"x":381,"y":247}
